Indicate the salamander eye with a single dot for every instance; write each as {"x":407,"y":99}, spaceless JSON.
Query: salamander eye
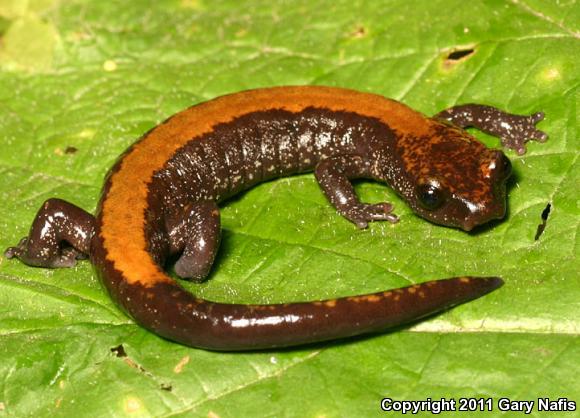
{"x":430,"y":195}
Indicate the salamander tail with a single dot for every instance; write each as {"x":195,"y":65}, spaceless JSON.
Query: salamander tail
{"x":172,"y":312}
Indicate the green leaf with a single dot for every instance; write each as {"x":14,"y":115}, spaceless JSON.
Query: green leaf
{"x":92,"y":76}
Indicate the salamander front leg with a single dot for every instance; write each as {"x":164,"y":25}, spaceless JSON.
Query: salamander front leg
{"x":513,"y":130}
{"x":60,"y":234}
{"x":196,"y":235}
{"x":333,"y":175}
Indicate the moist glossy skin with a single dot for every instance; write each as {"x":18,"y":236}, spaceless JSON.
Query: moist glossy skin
{"x":160,"y":200}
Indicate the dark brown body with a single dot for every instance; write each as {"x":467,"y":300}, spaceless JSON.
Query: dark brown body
{"x":159,"y":201}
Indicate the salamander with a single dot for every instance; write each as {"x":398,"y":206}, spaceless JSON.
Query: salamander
{"x":160,"y":201}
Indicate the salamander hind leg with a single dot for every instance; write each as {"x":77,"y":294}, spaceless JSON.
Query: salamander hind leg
{"x":60,"y":234}
{"x":195,"y":236}
{"x":333,"y":175}
{"x":513,"y":130}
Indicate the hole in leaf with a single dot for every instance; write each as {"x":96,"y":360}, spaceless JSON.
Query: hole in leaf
{"x":546,"y":212}
{"x":119,"y":351}
{"x":458,"y":54}
{"x":542,"y":226}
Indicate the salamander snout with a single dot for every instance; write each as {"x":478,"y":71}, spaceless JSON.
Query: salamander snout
{"x":491,"y":198}
{"x":480,"y":214}
{"x":497,"y":211}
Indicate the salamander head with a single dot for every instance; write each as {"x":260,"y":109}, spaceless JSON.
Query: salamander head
{"x":454,"y":180}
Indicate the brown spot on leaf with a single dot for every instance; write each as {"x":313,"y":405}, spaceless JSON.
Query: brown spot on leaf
{"x":179,"y":366}
{"x":359,"y":32}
